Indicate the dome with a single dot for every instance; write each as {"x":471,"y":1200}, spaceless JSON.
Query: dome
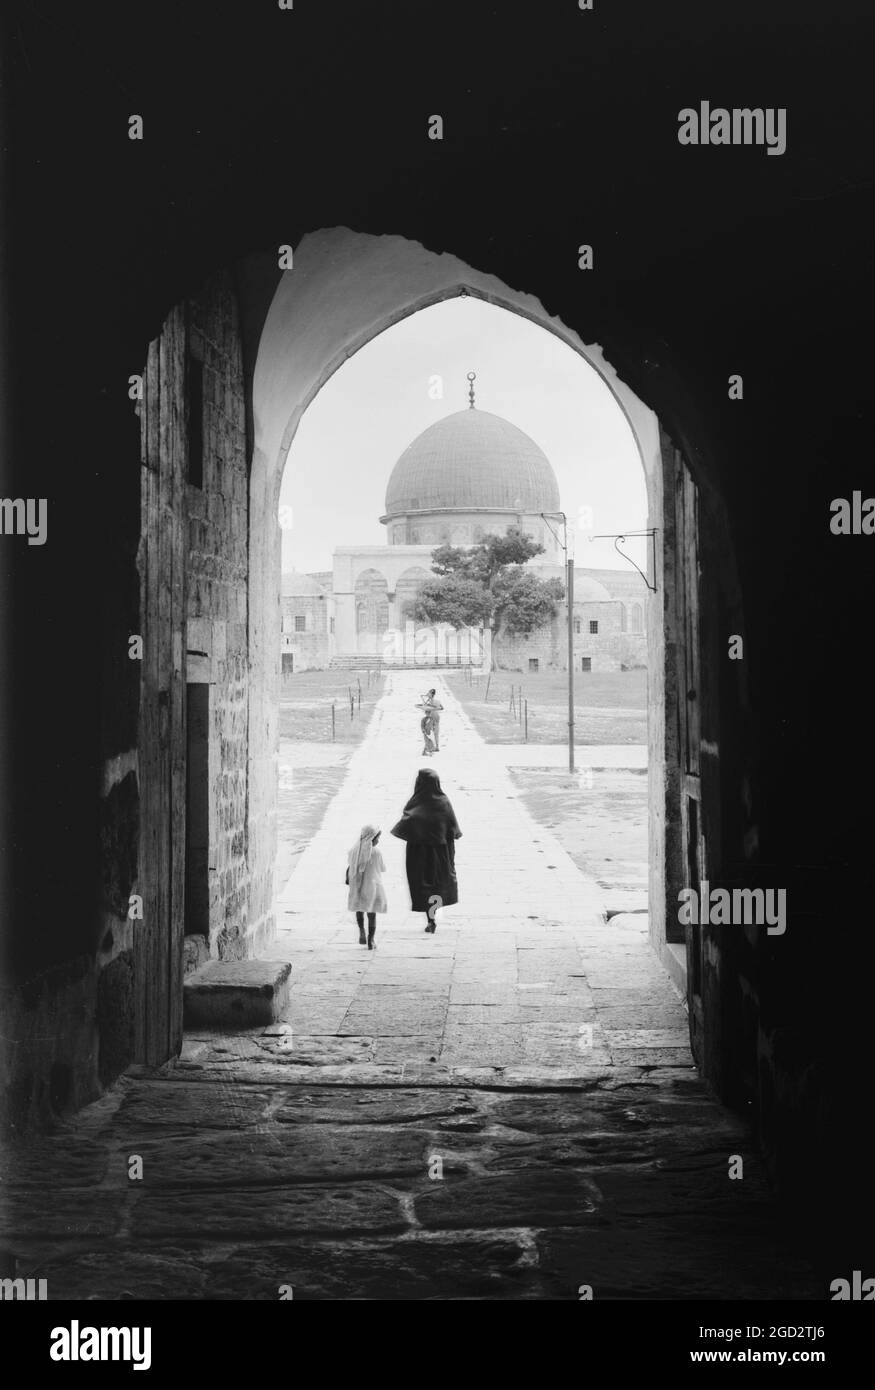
{"x":472,"y":460}
{"x":295,"y":585}
{"x":587,"y":589}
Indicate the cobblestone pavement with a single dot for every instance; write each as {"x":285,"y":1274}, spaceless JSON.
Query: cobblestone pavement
{"x":505,"y":1110}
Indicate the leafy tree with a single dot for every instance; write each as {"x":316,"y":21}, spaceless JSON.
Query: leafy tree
{"x":487,"y":558}
{"x":523,"y":602}
{"x":453,"y":599}
{"x":488,"y":584}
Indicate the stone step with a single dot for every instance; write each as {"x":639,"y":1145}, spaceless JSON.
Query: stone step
{"x":236,"y":993}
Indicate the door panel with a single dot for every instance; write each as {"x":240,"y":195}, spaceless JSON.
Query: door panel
{"x":689,"y":704}
{"x":157,"y":939}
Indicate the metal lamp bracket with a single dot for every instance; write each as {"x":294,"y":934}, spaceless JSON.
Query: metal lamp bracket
{"x":620,"y":539}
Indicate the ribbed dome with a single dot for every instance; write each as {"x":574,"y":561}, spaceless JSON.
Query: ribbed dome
{"x":472,"y":459}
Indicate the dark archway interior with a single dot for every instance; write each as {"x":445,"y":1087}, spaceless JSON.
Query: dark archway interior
{"x":703,"y":267}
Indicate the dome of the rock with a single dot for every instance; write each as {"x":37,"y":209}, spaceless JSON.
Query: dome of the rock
{"x":472,"y":461}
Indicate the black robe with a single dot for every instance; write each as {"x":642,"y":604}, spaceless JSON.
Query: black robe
{"x":430,"y":829}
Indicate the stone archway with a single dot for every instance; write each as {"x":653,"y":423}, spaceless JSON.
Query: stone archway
{"x":371,"y":599}
{"x":345,"y":289}
{"x":407,"y":586}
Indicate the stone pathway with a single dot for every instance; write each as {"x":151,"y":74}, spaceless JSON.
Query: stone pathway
{"x":523,"y":973}
{"x":504,"y":1111}
{"x":248,"y":1184}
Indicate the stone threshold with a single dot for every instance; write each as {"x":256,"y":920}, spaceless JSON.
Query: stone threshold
{"x":428,"y":1076}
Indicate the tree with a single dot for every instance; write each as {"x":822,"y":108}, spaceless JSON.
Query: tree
{"x":523,"y":602}
{"x":487,"y":584}
{"x":453,"y":599}
{"x":488,"y":557}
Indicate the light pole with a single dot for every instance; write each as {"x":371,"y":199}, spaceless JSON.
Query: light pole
{"x":569,"y":600}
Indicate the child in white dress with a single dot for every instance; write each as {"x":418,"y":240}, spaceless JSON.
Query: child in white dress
{"x":366,"y":891}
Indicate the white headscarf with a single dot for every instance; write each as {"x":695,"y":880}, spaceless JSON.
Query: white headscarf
{"x":360,"y":854}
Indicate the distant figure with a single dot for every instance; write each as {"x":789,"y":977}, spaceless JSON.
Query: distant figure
{"x":427,"y":744}
{"x":430,"y":829}
{"x":366,"y":892}
{"x":433,"y":709}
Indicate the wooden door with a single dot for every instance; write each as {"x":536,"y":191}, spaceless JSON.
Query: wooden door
{"x":689,"y":707}
{"x":158,"y":938}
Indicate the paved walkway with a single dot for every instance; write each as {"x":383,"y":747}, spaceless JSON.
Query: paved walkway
{"x":504,"y":1111}
{"x":523,"y":973}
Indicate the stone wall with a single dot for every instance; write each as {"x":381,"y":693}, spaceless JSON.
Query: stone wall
{"x":217,"y":515}
{"x":313,"y":648}
{"x":612,"y":648}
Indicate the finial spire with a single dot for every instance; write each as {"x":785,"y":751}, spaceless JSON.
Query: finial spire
{"x":472,"y":376}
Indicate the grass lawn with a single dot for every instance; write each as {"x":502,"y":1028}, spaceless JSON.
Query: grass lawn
{"x":602,"y":827}
{"x":301,"y":809}
{"x":609,"y":707}
{"x":306,"y":699}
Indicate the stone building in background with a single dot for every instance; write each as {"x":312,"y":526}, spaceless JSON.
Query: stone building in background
{"x":470,"y":475}
{"x":306,"y":621}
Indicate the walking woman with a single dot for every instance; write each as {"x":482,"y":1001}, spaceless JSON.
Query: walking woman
{"x":431,"y":830}
{"x":366,"y":891}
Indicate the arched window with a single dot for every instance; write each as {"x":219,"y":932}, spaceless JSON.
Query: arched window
{"x":407,"y":586}
{"x":371,"y":602}
{"x":636,"y":618}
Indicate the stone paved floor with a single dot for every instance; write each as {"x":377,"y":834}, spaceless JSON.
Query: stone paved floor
{"x":506,"y":1110}
{"x":523,"y":972}
{"x":252,"y":1181}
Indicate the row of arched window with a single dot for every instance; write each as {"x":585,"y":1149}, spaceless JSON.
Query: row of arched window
{"x":372,"y":602}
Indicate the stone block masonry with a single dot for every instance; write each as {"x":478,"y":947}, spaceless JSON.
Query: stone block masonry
{"x":217,"y":561}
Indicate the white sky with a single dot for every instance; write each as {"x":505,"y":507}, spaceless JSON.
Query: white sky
{"x":376,"y":403}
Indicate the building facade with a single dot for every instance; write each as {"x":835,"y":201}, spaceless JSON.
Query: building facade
{"x":466,"y":477}
{"x":307,"y":620}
